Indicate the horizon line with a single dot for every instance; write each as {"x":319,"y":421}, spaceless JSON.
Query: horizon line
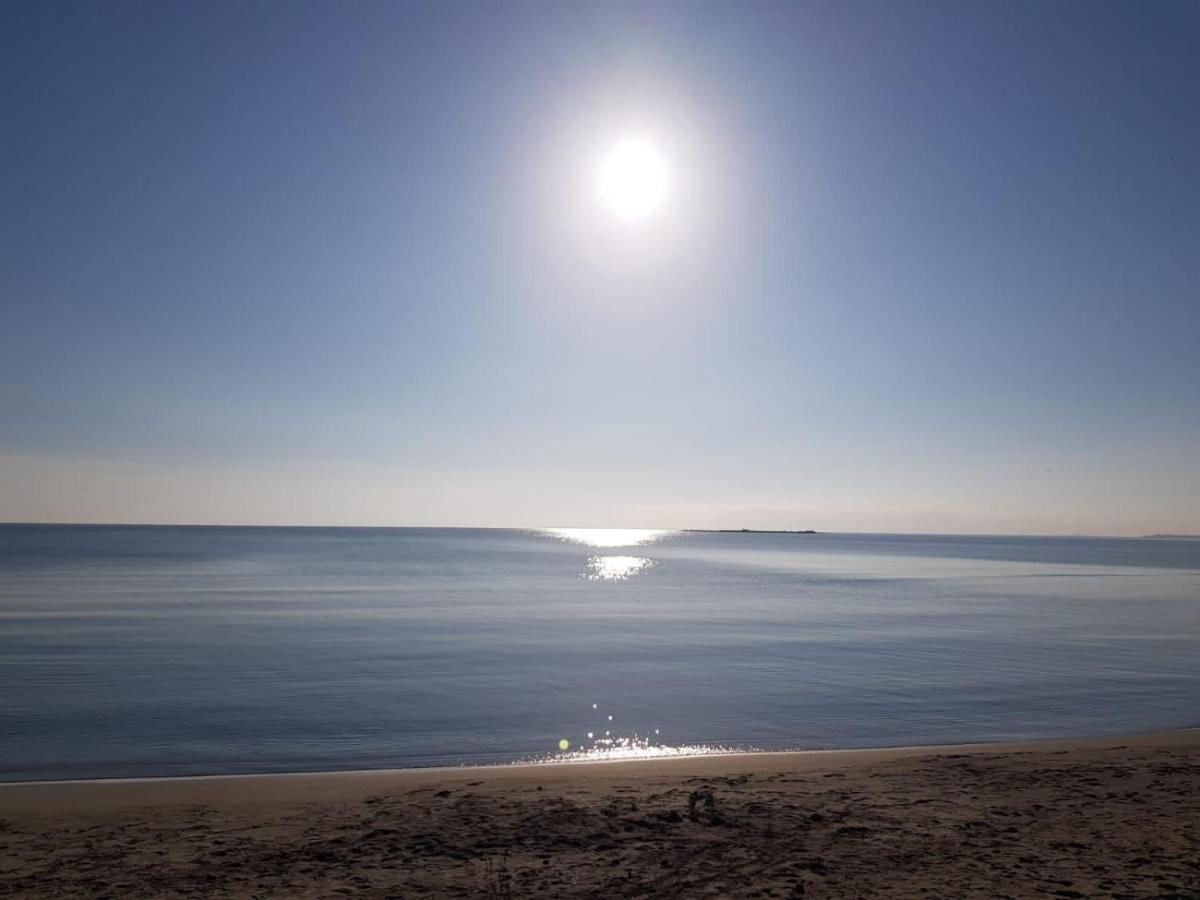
{"x":741,"y":530}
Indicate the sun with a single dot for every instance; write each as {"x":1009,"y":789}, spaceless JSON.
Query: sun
{"x":633,"y":179}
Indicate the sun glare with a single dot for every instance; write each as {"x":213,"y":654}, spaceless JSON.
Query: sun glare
{"x":608,"y":537}
{"x":633,"y":179}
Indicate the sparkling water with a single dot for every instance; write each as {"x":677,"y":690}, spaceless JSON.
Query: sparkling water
{"x":129,"y":651}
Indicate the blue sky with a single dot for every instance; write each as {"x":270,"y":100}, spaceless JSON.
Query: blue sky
{"x":920,"y":267}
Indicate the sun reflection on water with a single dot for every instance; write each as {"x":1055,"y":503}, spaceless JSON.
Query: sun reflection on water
{"x":615,"y":568}
{"x":604,"y":746}
{"x":608,"y":537}
{"x":634,"y":747}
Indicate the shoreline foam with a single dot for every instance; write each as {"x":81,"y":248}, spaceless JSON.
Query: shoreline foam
{"x":737,"y":762}
{"x":1016,"y":746}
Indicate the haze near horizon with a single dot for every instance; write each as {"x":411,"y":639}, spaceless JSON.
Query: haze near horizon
{"x":851,"y":267}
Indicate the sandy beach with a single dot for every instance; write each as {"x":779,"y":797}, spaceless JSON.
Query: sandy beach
{"x":1113,"y":817}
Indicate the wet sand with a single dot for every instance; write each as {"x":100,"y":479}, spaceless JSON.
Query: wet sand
{"x":1115,"y":817}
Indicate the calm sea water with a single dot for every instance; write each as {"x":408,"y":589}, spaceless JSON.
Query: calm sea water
{"x":129,"y":651}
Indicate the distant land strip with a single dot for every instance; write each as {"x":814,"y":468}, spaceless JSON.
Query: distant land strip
{"x":769,"y":531}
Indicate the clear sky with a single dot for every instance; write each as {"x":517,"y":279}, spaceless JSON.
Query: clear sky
{"x":916,"y":266}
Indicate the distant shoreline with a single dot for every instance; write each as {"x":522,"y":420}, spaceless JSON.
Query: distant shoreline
{"x":745,"y":531}
{"x":310,"y":526}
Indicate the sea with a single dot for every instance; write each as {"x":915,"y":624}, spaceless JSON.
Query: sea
{"x":133,"y":651}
